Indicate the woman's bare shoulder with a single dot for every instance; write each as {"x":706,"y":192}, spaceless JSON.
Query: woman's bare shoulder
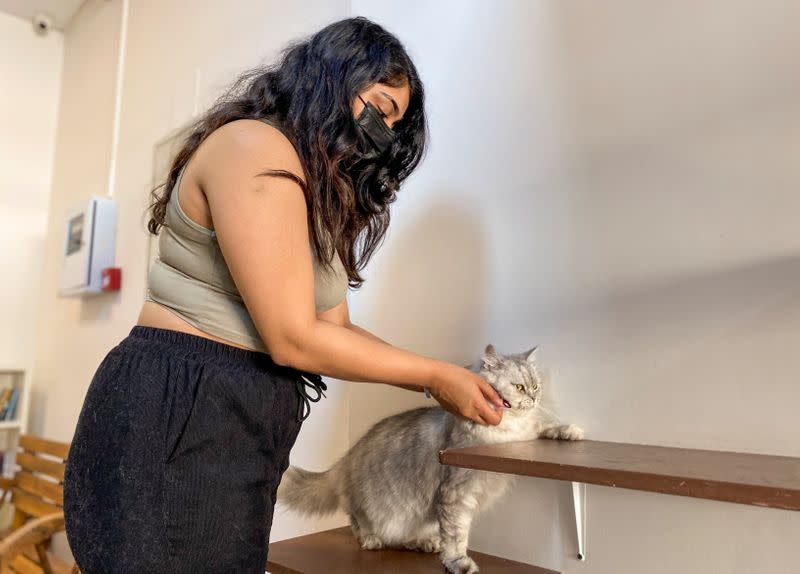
{"x":248,"y":143}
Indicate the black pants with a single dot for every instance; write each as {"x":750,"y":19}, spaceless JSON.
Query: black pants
{"x":177,"y":455}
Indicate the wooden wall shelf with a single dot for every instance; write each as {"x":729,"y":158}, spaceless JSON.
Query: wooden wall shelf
{"x":757,"y":479}
{"x":336,"y":551}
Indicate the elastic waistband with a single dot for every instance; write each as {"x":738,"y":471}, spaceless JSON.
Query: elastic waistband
{"x":236,"y":357}
{"x":201,"y":344}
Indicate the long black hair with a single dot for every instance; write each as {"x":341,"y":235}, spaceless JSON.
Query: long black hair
{"x":308,"y":94}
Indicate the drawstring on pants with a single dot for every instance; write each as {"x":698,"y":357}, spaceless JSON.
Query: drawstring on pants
{"x":313,"y":381}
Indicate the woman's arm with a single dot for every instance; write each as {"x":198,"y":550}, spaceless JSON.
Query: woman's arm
{"x":340,"y":315}
{"x":261,"y":225}
{"x":262,"y":230}
{"x":362,"y":331}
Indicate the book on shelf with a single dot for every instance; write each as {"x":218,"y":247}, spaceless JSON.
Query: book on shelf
{"x":12,"y":404}
{"x":5,"y":396}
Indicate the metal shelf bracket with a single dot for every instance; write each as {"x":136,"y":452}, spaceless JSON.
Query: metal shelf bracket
{"x":579,"y":502}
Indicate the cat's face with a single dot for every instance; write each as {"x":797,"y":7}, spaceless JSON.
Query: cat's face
{"x":513,"y":376}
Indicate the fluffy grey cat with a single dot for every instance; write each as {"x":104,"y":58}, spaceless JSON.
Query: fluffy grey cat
{"x":395,"y":491}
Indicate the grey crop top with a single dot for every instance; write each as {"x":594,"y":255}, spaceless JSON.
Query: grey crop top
{"x":190,"y":278}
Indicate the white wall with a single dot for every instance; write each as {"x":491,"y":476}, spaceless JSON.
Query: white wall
{"x":617,"y":182}
{"x":611,"y":180}
{"x":30,"y":80}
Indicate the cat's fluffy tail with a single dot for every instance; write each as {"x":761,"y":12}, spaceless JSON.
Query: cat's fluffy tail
{"x":309,"y":493}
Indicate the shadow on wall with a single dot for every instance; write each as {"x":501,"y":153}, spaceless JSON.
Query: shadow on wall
{"x":430,"y":297}
{"x":712,"y":353}
{"x":671,"y":310}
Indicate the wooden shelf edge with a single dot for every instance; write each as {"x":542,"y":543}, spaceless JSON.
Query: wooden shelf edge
{"x":750,"y":492}
{"x":336,"y":551}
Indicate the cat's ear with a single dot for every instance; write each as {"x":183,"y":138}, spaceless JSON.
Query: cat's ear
{"x":530,"y":355}
{"x":491,"y":358}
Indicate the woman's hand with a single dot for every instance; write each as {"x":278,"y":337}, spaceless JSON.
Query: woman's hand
{"x":466,"y":394}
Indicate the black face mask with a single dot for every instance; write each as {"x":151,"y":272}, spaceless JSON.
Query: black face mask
{"x":374,"y":131}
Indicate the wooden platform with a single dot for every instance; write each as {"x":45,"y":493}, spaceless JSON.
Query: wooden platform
{"x":336,"y":551}
{"x":756,"y":479}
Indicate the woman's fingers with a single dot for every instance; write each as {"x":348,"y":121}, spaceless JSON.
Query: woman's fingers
{"x":490,"y":393}
{"x":488,"y":416}
{"x":493,"y":418}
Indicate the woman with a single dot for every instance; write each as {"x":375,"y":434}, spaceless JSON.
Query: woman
{"x":188,"y":422}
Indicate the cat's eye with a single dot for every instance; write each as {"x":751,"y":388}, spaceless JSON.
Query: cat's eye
{"x":520,"y":388}
{"x":535,"y":387}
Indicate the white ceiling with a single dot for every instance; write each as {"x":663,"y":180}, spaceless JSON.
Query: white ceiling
{"x":60,"y":10}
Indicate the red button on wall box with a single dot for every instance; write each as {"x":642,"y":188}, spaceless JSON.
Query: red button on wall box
{"x":112,"y":279}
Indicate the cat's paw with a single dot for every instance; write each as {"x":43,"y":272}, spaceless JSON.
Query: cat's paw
{"x":370,"y":542}
{"x":572,"y":432}
{"x":563,"y":432}
{"x":432,"y":545}
{"x":460,"y":565}
{"x":424,"y":545}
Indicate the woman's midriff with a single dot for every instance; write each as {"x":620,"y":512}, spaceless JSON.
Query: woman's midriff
{"x":155,"y":315}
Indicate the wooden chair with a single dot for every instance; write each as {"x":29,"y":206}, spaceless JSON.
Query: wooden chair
{"x":37,"y":492}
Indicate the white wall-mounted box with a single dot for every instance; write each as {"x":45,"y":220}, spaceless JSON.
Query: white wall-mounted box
{"x":89,"y":234}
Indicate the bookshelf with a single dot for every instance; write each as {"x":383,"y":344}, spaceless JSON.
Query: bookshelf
{"x":13,"y":422}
